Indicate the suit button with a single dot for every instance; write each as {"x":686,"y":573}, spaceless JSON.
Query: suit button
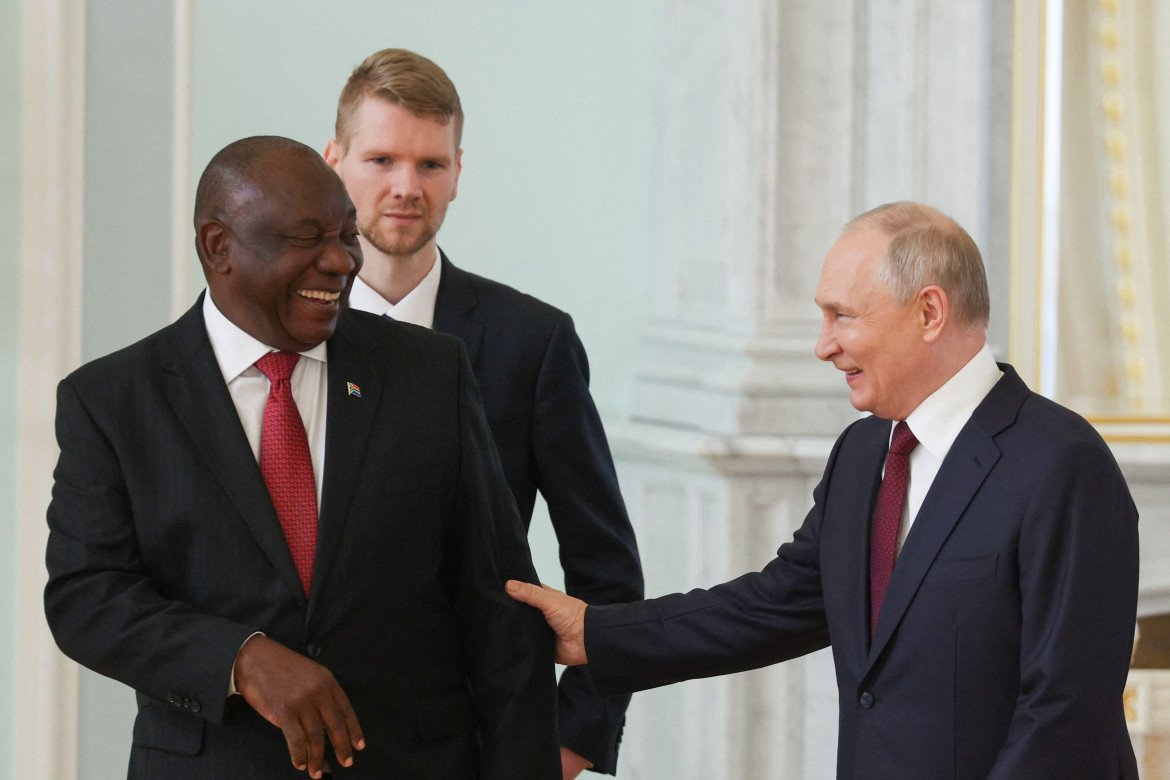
{"x":193,"y":705}
{"x":175,"y":699}
{"x":313,"y":649}
{"x":867,"y":700}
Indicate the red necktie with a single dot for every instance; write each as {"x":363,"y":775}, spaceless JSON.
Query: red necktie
{"x":286,"y":465}
{"x":887,"y":518}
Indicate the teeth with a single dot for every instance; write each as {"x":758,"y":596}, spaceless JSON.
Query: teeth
{"x":320,"y":295}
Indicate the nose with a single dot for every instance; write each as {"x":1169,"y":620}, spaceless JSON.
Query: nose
{"x":827,"y":345}
{"x":340,"y":258}
{"x":405,"y":183}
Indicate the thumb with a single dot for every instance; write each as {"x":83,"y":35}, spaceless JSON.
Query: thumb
{"x":529,"y":594}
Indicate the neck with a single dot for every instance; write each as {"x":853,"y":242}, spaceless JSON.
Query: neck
{"x":394,"y":276}
{"x":957,"y":351}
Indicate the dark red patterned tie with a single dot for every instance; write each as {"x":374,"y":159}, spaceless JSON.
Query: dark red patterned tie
{"x":286,"y":464}
{"x":887,"y":518}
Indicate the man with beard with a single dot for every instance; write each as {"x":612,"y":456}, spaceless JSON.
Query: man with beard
{"x":397,"y":148}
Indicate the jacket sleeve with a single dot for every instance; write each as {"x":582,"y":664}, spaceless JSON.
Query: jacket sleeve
{"x":1078,"y":572}
{"x":104,"y":610}
{"x":508,"y":646}
{"x":598,"y":552}
{"x":755,"y":620}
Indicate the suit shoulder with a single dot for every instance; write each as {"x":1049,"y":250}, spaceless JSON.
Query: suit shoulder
{"x":1050,"y":422}
{"x":400,"y":335}
{"x":507,"y":304}
{"x":127,"y":362}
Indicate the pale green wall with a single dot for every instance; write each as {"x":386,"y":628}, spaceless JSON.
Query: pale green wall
{"x":557,"y":191}
{"x":126,"y":244}
{"x":10,"y":118}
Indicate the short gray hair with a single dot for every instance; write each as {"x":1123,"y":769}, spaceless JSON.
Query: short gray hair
{"x":927,"y":247}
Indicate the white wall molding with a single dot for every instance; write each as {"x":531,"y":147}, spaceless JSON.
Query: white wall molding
{"x":181,"y":184}
{"x":782,"y":121}
{"x":53,"y":90}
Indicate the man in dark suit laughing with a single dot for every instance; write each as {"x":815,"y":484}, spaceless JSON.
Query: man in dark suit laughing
{"x":283,"y":523}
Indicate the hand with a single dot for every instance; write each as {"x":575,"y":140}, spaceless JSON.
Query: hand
{"x":564,"y":614}
{"x":302,"y":698}
{"x":572,"y":764}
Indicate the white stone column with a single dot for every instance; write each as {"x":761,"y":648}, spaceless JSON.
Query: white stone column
{"x":53,"y":102}
{"x":780,"y":121}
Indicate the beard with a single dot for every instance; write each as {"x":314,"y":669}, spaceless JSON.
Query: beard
{"x":400,"y":240}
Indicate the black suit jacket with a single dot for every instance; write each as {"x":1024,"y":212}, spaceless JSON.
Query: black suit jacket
{"x":1003,"y":643}
{"x":165,"y":554}
{"x":534,"y":377}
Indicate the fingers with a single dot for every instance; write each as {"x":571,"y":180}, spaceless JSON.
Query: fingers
{"x":529,"y":594}
{"x":564,"y":614}
{"x":303,"y":699}
{"x":306,"y":737}
{"x":298,"y":747}
{"x":572,"y":764}
{"x":342,"y":727}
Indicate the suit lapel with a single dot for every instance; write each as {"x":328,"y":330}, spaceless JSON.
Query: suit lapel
{"x":196,"y":391}
{"x":455,"y":307}
{"x":853,"y":510}
{"x":970,"y":460}
{"x":349,"y":421}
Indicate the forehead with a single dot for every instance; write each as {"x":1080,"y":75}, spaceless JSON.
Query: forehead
{"x":295,"y":189}
{"x":850,"y":267}
{"x":377,"y":120}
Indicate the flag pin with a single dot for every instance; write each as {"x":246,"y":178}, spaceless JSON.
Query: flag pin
{"x":353,"y":389}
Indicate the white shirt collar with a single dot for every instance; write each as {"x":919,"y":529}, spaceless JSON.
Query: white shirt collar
{"x":417,"y":307}
{"x":235,"y":350}
{"x":939,"y":418}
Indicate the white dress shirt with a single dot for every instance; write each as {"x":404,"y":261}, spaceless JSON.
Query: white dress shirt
{"x":936,"y":424}
{"x":417,"y":306}
{"x":237,"y":352}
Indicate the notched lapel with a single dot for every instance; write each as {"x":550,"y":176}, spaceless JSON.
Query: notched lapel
{"x":847,"y":520}
{"x":195,"y":389}
{"x":348,"y":426}
{"x":455,"y":307}
{"x":970,"y":460}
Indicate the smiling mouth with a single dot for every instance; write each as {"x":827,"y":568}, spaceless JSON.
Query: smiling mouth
{"x":324,"y":296}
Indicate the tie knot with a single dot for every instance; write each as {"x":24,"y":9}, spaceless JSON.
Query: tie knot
{"x":903,"y":441}
{"x":278,"y":366}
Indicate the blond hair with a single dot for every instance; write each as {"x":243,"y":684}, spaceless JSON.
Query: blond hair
{"x":402,"y":78}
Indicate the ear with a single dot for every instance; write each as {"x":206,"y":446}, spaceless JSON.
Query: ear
{"x":458,"y":170}
{"x":933,"y":311}
{"x":213,"y":243}
{"x":333,"y":154}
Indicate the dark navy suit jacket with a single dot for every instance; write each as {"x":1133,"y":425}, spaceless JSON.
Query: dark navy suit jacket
{"x":534,"y":378}
{"x":165,"y":554}
{"x":1003,"y":643}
